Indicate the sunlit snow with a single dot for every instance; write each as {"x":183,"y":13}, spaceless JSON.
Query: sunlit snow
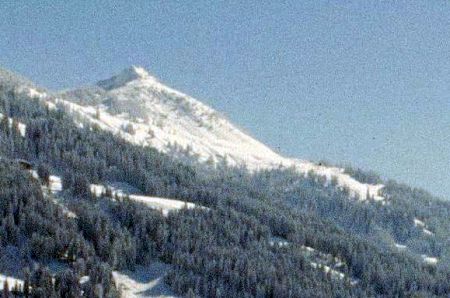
{"x":430,"y":260}
{"x":420,"y":224}
{"x":144,"y":281}
{"x":12,"y":281}
{"x":165,"y":205}
{"x":22,"y":127}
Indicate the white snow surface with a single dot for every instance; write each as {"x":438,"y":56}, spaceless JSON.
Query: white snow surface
{"x":55,"y":184}
{"x":35,"y":93}
{"x":430,"y":260}
{"x":84,"y":279}
{"x":22,"y":127}
{"x":144,"y":281}
{"x":11,"y":281}
{"x":170,"y":119}
{"x":427,"y":232}
{"x":327,"y":269}
{"x":420,"y":224}
{"x":280,"y":242}
{"x":400,"y":246}
{"x":320,"y":261}
{"x":52,"y":191}
{"x":334,"y":273}
{"x":165,"y":205}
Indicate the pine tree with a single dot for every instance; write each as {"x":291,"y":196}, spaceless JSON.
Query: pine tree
{"x":5,"y":292}
{"x":44,"y":173}
{"x":26,"y":283}
{"x":368,"y":197}
{"x":190,"y":293}
{"x":16,"y":291}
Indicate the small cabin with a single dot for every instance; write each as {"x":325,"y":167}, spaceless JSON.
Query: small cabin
{"x":24,"y":164}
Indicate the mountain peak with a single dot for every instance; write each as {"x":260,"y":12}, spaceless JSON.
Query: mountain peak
{"x":136,"y":72}
{"x":127,"y":75}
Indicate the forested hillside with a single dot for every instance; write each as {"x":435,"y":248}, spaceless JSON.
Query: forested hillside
{"x":271,"y":233}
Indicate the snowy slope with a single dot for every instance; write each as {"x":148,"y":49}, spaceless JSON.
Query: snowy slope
{"x":144,"y":281}
{"x":165,"y":205}
{"x":138,"y":107}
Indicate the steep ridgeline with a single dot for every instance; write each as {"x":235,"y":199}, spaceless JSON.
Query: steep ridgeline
{"x":144,"y":111}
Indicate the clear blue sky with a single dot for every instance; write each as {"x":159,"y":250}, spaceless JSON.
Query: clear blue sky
{"x":366,"y":82}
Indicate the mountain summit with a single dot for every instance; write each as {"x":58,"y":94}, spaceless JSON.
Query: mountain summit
{"x":125,"y":76}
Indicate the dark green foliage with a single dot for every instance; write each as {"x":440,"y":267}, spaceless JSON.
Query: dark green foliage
{"x":38,"y":228}
{"x":44,"y":173}
{"x":363,"y":176}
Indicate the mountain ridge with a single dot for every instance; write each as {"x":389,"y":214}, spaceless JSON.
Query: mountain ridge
{"x":127,"y":75}
{"x":237,"y":147}
{"x":146,"y":112}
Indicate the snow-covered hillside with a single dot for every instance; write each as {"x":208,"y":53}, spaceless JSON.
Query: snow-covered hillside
{"x":146,"y":112}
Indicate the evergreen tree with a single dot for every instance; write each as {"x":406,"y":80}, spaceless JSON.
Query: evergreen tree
{"x":5,"y":292}
{"x":44,"y":173}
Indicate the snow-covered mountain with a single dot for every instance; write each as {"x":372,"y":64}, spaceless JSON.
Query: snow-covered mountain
{"x":150,"y":113}
{"x":146,"y":112}
{"x":336,"y":235}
